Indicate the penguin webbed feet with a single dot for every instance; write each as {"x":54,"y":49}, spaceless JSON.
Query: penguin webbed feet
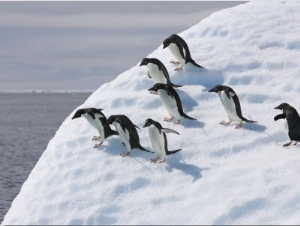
{"x":178,"y":69}
{"x":125,"y":154}
{"x":97,"y":145}
{"x":174,"y":62}
{"x":168,"y":118}
{"x":224,"y":122}
{"x":95,"y":138}
{"x":294,"y":143}
{"x":156,"y":160}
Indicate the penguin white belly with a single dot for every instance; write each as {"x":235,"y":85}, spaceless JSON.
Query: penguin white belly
{"x":157,"y":75}
{"x":123,"y":134}
{"x":96,"y":123}
{"x":170,"y":104}
{"x":229,"y":106}
{"x":175,"y":51}
{"x":157,"y":141}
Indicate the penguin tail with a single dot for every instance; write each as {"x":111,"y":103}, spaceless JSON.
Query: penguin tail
{"x":144,"y":149}
{"x":172,"y":152}
{"x":175,"y":86}
{"x":188,"y":117}
{"x":247,"y":120}
{"x":195,"y":64}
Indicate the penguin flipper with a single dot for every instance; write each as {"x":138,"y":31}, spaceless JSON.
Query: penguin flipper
{"x":174,"y":85}
{"x":144,"y":149}
{"x":172,"y":152}
{"x":280,"y":116}
{"x":166,"y":130}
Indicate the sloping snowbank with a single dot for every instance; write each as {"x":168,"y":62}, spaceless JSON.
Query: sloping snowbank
{"x":222,"y":175}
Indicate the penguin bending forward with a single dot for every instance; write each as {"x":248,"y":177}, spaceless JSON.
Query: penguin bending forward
{"x":180,"y":51}
{"x":97,"y":120}
{"x":231,"y":104}
{"x":293,"y":120}
{"x":157,"y":71}
{"x":127,"y":131}
{"x":158,"y":139}
{"x":171,"y":101}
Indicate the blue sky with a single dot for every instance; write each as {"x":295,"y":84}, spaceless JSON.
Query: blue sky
{"x":81,"y":45}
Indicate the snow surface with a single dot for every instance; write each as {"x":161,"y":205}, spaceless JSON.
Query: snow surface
{"x":222,"y":175}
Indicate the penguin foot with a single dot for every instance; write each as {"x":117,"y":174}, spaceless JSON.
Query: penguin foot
{"x":154,"y":160}
{"x":97,"y":145}
{"x":95,"y":138}
{"x":239,"y":126}
{"x":225,"y":123}
{"x":176,"y":122}
{"x":125,"y":154}
{"x":168,"y":119}
{"x":290,"y":143}
{"x":174,"y":62}
{"x":162,"y":161}
{"x":178,"y":69}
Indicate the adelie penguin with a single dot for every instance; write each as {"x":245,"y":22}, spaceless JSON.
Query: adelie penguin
{"x":127,"y":131}
{"x":157,"y":71}
{"x":293,"y":120}
{"x":97,"y":120}
{"x":171,"y":101}
{"x":180,"y":51}
{"x":158,"y":139}
{"x":231,"y":103}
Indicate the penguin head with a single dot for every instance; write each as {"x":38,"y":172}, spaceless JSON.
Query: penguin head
{"x":78,"y":113}
{"x":144,"y":61}
{"x":148,"y":122}
{"x":281,"y":106}
{"x":156,"y":87}
{"x":111,"y":119}
{"x":167,"y":42}
{"x":216,"y":89}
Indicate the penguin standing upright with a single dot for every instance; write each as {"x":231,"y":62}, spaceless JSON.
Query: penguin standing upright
{"x":180,"y":51}
{"x":171,"y":101}
{"x":97,"y":120}
{"x":158,"y":139}
{"x":231,"y":104}
{"x":293,"y":120}
{"x":157,"y":71}
{"x":127,"y":131}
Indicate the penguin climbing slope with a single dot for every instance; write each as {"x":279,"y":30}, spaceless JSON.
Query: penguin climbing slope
{"x":231,"y":104}
{"x":157,"y":71}
{"x":180,"y":51}
{"x":158,"y":139}
{"x":293,"y":120}
{"x":171,"y":101}
{"x":96,"y":119}
{"x":127,"y":131}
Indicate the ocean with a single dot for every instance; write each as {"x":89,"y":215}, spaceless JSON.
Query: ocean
{"x":28,"y":121}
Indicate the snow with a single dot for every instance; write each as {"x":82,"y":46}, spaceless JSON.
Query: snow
{"x":222,"y":175}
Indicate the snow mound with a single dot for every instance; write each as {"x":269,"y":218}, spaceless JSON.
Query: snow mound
{"x":222,"y":175}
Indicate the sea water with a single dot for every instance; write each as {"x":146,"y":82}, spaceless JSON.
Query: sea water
{"x":28,"y":121}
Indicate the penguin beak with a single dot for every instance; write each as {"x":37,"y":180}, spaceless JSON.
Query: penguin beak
{"x":277,"y":108}
{"x":212,"y":90}
{"x":152,"y":91}
{"x":75,"y":116}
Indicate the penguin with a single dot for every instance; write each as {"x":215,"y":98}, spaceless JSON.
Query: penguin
{"x":284,"y":122}
{"x":180,"y":51}
{"x":127,"y":131}
{"x":171,"y":101}
{"x":158,"y":139}
{"x":157,"y":71}
{"x":97,"y":120}
{"x":293,"y":120}
{"x":231,"y":104}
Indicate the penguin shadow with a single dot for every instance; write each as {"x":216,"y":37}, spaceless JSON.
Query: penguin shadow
{"x":198,"y":76}
{"x":192,"y":123}
{"x":188,"y":103}
{"x":256,"y":127}
{"x":173,"y":162}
